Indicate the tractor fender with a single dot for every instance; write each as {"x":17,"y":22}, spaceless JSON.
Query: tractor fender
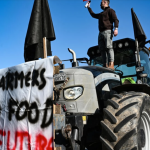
{"x":133,"y":87}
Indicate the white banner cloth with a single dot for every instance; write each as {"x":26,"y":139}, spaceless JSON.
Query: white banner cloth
{"x":26,"y":91}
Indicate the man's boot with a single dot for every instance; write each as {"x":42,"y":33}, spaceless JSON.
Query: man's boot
{"x":105,"y":65}
{"x":111,"y":65}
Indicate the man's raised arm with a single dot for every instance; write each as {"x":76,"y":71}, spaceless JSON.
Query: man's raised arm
{"x":92,"y":13}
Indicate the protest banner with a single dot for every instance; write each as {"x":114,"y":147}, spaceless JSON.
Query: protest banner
{"x":26,"y":115}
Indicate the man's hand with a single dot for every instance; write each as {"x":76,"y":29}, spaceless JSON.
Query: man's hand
{"x":88,"y":4}
{"x":115,"y":32}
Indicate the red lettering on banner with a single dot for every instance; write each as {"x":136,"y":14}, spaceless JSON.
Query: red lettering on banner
{"x":50,"y":146}
{"x":41,"y":142}
{"x":22,"y":135}
{"x":8,"y":141}
{"x":3,"y":133}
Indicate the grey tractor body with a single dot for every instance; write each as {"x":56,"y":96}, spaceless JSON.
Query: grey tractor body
{"x":89,"y":78}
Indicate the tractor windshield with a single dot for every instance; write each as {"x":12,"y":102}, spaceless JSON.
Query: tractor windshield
{"x":124,"y":61}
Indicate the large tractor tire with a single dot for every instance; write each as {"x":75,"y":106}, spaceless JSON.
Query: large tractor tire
{"x":126,"y":122}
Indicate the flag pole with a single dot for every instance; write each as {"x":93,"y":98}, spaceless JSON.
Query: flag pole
{"x":44,"y":47}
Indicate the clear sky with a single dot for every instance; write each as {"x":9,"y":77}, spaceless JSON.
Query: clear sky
{"x":74,"y":27}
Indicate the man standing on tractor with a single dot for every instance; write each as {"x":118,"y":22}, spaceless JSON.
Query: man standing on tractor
{"x":106,"y":20}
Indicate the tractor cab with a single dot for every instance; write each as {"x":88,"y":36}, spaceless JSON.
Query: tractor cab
{"x":126,"y":61}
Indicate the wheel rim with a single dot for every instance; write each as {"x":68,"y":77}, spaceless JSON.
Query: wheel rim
{"x":145,"y":127}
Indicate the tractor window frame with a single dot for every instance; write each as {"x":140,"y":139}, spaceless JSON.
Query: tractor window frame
{"x":134,"y":74}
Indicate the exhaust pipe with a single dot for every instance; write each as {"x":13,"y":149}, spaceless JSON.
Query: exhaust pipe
{"x":74,"y":63}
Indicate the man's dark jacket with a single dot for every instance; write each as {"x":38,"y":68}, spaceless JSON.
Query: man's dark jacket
{"x":106,"y":19}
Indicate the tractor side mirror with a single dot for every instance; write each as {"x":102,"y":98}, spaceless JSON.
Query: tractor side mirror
{"x":139,"y":69}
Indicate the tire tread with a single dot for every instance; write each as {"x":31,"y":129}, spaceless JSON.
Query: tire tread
{"x":113,"y":104}
{"x":109,"y":131}
{"x":125,"y":108}
{"x":120,"y":125}
{"x":124,"y":122}
{"x":111,"y":117}
{"x":124,"y":139}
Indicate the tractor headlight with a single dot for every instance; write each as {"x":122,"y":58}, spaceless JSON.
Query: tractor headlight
{"x":73,"y":93}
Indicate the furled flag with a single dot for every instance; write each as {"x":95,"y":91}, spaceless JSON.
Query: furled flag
{"x":87,"y":3}
{"x":40,"y":25}
{"x":138,"y":30}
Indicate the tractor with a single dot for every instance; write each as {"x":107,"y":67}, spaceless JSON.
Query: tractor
{"x":100,"y":110}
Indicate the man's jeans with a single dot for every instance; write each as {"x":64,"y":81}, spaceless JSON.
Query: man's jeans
{"x":106,"y":46}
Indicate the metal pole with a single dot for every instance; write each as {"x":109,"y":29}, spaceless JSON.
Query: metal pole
{"x":44,"y":47}
{"x":75,"y":63}
{"x":73,"y":54}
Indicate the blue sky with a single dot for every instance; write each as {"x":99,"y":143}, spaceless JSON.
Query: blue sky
{"x":74,"y":27}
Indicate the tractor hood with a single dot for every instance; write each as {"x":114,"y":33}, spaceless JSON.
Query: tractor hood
{"x":95,"y":70}
{"x":139,"y":33}
{"x":88,"y":78}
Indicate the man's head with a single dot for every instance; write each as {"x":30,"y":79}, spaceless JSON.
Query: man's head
{"x":104,"y":3}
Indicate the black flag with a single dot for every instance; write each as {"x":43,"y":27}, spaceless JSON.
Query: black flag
{"x":138,"y":30}
{"x":40,"y":25}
